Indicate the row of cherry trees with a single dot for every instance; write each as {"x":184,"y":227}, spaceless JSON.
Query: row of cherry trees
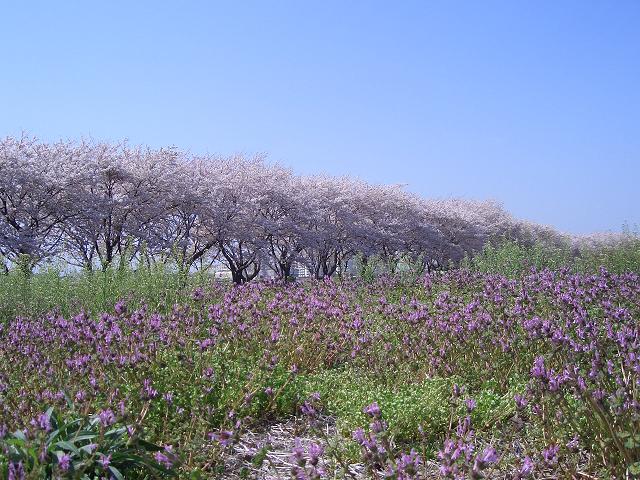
{"x":92,"y":204}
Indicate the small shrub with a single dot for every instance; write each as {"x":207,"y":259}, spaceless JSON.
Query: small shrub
{"x":78,"y":447}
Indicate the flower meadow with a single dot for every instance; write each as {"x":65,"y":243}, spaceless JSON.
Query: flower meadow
{"x":456,"y":374}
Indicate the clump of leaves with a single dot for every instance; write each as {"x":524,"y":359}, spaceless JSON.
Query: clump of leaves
{"x":84,"y":448}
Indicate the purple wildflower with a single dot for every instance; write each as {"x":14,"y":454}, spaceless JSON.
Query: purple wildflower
{"x":315,"y":452}
{"x":104,"y":460}
{"x":573,"y":444}
{"x":107,"y":418}
{"x":43,"y":422}
{"x":223,"y":437}
{"x":148,"y":392}
{"x":197,"y":294}
{"x":527,"y":468}
{"x":470,"y":404}
{"x":16,"y":471}
{"x":120,"y":307}
{"x":297,"y":455}
{"x":550,"y":454}
{"x":373,"y":410}
{"x":521,"y":401}
{"x":64,"y":462}
{"x":408,"y":465}
{"x":538,"y":370}
{"x":166,"y":458}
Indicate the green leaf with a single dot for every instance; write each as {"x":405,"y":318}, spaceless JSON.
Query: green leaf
{"x":53,"y":435}
{"x":67,"y":446}
{"x":68,"y":399}
{"x":88,"y":449}
{"x":70,"y":424}
{"x":259,"y":457}
{"x":19,"y":434}
{"x":116,"y":432}
{"x":116,"y":473}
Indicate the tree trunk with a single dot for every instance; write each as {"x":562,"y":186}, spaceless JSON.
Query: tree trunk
{"x":285,"y":270}
{"x":237,"y":276}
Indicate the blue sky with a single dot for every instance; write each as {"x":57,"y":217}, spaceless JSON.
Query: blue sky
{"x":535,"y":104}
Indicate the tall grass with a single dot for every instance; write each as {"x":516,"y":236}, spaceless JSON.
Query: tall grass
{"x":513,"y":259}
{"x":50,"y":289}
{"x":160,"y":287}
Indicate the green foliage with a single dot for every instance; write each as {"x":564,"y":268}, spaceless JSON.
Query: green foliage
{"x":267,"y":354}
{"x":624,"y":257}
{"x":513,"y":259}
{"x":94,"y":291}
{"x":80,"y":448}
{"x":412,"y":409}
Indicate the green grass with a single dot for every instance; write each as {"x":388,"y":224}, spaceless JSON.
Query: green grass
{"x":94,"y":292}
{"x":514,"y":259}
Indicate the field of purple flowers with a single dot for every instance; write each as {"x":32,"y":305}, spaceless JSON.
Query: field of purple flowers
{"x":456,"y":375}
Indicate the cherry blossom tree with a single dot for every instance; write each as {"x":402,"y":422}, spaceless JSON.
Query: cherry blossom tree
{"x":180,"y":234}
{"x":328,"y":213}
{"x":234,"y":220}
{"x":123,"y":192}
{"x":93,"y":203}
{"x":37,"y":183}
{"x":281,"y":219}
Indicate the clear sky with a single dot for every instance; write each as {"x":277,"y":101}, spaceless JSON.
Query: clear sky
{"x":535,"y":104}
